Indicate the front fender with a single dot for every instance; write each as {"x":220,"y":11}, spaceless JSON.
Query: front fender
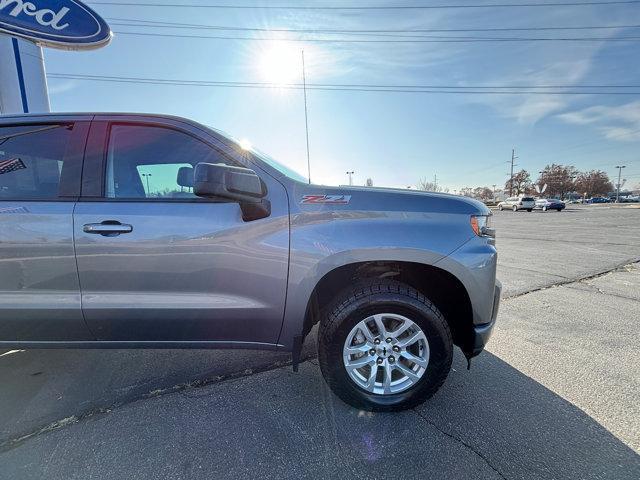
{"x":324,"y":241}
{"x":475,"y":264}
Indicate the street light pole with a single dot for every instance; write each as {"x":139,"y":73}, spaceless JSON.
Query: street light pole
{"x":350,"y":178}
{"x":619,"y":167}
{"x":147,"y":175}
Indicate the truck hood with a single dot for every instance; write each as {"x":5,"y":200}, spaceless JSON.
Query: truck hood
{"x":388,"y":199}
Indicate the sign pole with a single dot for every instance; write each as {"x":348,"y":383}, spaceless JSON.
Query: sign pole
{"x":24,"y":29}
{"x":23,"y":83}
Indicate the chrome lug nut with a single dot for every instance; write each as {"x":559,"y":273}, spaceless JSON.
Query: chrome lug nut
{"x":389,"y":340}
{"x":377,"y":341}
{"x":392,"y":359}
{"x":396,"y":348}
{"x":379,"y":361}
{"x":372,"y":351}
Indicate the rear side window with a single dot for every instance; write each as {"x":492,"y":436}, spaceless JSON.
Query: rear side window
{"x":32,"y":159}
{"x":527,"y":199}
{"x":154,"y":162}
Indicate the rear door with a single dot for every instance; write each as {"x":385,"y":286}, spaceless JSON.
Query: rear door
{"x":40,"y":165}
{"x":157,"y":263}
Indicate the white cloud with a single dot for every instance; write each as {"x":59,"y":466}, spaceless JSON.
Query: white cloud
{"x":621,"y":122}
{"x":61,"y":86}
{"x":528,"y":109}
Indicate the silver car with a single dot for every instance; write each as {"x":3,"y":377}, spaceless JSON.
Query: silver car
{"x":146,"y":231}
{"x":517,"y":203}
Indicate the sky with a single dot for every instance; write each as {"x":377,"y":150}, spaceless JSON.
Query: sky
{"x":393,"y":138}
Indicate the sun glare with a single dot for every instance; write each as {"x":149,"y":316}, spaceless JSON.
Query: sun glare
{"x":280,"y":64}
{"x":245,"y":144}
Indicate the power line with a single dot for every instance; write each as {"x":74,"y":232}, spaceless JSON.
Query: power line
{"x":370,"y":7}
{"x":196,"y":26}
{"x":338,"y":87}
{"x":355,"y":85}
{"x":432,"y":39}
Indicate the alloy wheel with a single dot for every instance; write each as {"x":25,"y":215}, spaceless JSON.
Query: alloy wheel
{"x":386,"y":353}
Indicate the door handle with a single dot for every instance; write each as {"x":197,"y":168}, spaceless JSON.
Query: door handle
{"x":108,"y":228}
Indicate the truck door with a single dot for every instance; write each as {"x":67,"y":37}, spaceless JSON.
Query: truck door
{"x":158,"y":264}
{"x":40,"y":165}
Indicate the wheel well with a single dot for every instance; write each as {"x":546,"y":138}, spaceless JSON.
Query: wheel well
{"x":439,"y":286}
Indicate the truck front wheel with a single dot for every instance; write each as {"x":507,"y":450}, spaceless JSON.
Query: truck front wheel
{"x":383,"y":346}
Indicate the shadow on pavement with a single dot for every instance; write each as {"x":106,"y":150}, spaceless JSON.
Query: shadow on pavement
{"x":40,"y":387}
{"x":492,"y":422}
{"x":524,"y":429}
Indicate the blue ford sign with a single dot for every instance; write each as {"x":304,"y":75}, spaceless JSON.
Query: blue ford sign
{"x":67,"y":24}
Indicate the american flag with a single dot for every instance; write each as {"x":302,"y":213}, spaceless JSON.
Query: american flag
{"x":11,"y":165}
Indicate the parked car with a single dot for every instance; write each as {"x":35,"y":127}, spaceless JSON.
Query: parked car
{"x":598,"y":200}
{"x":517,"y":203}
{"x":545,"y":204}
{"x":146,"y":231}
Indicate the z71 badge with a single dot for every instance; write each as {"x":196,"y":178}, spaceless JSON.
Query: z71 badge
{"x":326,"y":199}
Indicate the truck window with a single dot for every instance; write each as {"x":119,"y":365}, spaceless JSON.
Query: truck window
{"x":154,"y":162}
{"x":31,"y":161}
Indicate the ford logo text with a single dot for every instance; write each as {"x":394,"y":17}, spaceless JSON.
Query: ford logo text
{"x":66,"y":24}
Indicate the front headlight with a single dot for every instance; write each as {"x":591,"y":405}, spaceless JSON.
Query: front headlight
{"x":481,"y":225}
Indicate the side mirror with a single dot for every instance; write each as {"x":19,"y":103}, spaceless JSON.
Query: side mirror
{"x":234,"y":183}
{"x":225,"y":181}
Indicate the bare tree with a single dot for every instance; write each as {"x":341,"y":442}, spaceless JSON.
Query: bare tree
{"x":559,"y":179}
{"x":427,"y":186}
{"x":520,"y":183}
{"x":593,"y":183}
{"x":483,"y":193}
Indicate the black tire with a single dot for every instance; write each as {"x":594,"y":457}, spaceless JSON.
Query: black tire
{"x":383,"y":296}
{"x":559,"y":209}
{"x":500,"y":207}
{"x":544,"y":209}
{"x":529,"y":209}
{"x":514,"y":208}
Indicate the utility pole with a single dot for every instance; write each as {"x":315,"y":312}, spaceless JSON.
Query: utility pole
{"x":350,"y":178}
{"x":435,"y":182}
{"x":494,"y":192}
{"x":619,"y":167}
{"x":513,"y":158}
{"x":306,"y":116}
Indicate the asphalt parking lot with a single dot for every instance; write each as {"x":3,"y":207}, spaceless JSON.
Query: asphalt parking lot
{"x":554,"y":396}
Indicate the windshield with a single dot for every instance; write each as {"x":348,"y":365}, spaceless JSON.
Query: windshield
{"x":279,"y":166}
{"x":272,"y":162}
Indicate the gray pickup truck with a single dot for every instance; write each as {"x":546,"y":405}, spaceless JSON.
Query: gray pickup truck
{"x":148,"y":231}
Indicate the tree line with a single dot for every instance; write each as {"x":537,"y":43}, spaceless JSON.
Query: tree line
{"x":560,"y":181}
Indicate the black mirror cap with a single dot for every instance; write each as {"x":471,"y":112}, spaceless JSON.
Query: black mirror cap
{"x":226,"y":181}
{"x":242,"y":185}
